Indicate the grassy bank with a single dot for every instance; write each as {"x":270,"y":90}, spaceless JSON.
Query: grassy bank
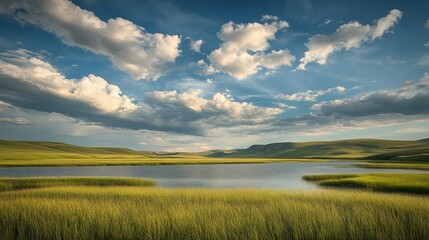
{"x":123,"y":212}
{"x":383,"y":182}
{"x":417,"y":166}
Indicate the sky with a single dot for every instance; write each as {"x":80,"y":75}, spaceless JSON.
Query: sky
{"x":197,"y":75}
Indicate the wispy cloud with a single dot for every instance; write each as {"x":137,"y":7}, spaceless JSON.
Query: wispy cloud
{"x":310,"y":95}
{"x":285,"y":106}
{"x":347,"y":36}
{"x":17,"y":120}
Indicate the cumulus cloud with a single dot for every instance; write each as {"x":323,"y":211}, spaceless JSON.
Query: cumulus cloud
{"x":411,"y":98}
{"x":427,"y":24}
{"x":426,"y":44}
{"x":221,"y":108}
{"x":310,"y":95}
{"x":28,"y":81}
{"x":347,"y":36}
{"x":196,"y":45}
{"x":32,"y":71}
{"x":244,"y":48}
{"x":129,"y":46}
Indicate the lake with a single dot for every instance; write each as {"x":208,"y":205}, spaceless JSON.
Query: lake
{"x":270,"y":175}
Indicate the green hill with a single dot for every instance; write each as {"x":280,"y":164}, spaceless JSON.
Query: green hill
{"x":55,"y":153}
{"x":57,"y":147}
{"x":371,"y":149}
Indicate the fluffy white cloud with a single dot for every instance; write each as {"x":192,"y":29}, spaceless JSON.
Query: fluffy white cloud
{"x":310,"y":95}
{"x":347,"y":36}
{"x":28,"y":81}
{"x":196,"y":45}
{"x":426,"y":44}
{"x":93,"y":90}
{"x":130,"y":48}
{"x":219,"y":108}
{"x":427,"y":24}
{"x":243,"y":51}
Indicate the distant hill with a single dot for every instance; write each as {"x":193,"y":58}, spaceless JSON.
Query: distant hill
{"x":371,"y":149}
{"x":57,"y":147}
{"x":365,"y":149}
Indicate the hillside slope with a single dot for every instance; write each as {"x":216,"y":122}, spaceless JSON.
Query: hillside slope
{"x":371,"y":149}
{"x":33,"y":146}
{"x":364,"y":149}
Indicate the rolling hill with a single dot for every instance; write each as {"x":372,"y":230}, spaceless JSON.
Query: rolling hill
{"x":58,"y":147}
{"x":359,"y":149}
{"x":370,"y":149}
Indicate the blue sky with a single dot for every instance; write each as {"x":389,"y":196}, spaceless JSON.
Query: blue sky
{"x":197,"y":75}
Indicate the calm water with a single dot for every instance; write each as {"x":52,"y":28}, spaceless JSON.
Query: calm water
{"x":271,"y":175}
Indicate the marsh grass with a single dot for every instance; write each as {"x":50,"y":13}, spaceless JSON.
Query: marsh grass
{"x":417,"y":183}
{"x":45,"y":160}
{"x":89,"y":212}
{"x":8,"y":184}
{"x":417,"y":166}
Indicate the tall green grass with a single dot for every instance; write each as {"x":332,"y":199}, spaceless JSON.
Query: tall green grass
{"x":44,"y":160}
{"x":418,"y":166}
{"x":7,"y":184}
{"x":384,"y":182}
{"x":82,"y":212}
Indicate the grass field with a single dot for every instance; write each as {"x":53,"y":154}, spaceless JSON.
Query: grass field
{"x":383,"y":182}
{"x":116,"y":160}
{"x":417,"y":166}
{"x":9,"y":184}
{"x":130,"y":212}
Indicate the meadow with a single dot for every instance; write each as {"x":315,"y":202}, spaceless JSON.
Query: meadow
{"x":416,"y":183}
{"x":64,"y":160}
{"x":416,"y":166}
{"x":114,"y":211}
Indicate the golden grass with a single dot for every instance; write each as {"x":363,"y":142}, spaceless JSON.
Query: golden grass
{"x":82,"y":212}
{"x":417,"y":183}
{"x":72,"y":159}
{"x":417,"y":166}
